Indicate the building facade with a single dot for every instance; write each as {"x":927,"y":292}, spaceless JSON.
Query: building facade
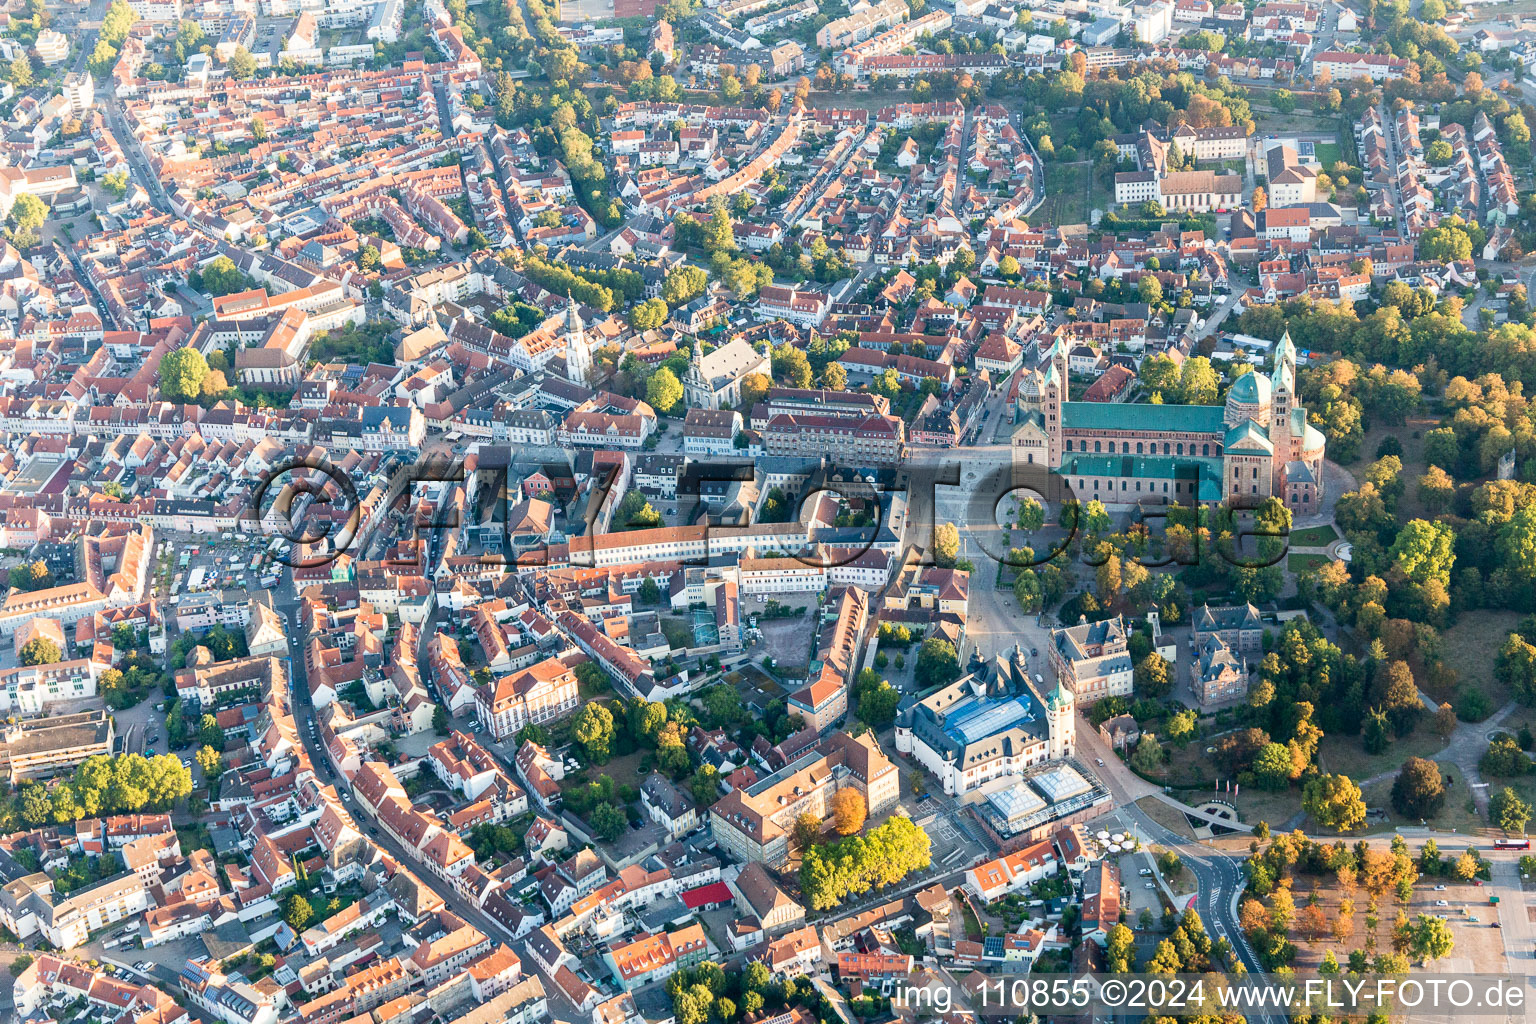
{"x":1259,"y":445}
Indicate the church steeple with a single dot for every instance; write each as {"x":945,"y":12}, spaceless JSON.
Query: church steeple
{"x":578,"y":360}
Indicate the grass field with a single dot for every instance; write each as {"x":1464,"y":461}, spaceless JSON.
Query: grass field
{"x":1328,"y":153}
{"x":1411,"y":436}
{"x":1482,"y":632}
{"x":1457,"y":813}
{"x":1172,"y":820}
{"x":1314,"y":537}
{"x":1071,"y":194}
{"x":1300,"y":563}
{"x":1344,"y":755}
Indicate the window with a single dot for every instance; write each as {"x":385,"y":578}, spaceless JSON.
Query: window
{"x":1181,"y":447}
{"x":1096,"y":445}
{"x":1138,"y":448}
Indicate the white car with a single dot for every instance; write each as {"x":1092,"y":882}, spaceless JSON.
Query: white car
{"x":1439,"y":888}
{"x":1099,"y":761}
{"x":1151,"y":885}
{"x":1442,"y":903}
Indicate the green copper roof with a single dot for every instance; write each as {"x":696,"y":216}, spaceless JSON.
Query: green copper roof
{"x":1247,"y":431}
{"x":1251,"y":388}
{"x":1147,"y":467}
{"x":1205,"y":419}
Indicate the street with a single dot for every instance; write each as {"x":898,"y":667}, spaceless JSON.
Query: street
{"x":303,"y":712}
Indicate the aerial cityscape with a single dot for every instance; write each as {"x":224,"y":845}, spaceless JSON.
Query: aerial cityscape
{"x":740,"y":511}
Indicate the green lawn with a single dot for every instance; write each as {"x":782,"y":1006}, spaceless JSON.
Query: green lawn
{"x":1314,"y":537}
{"x":1068,"y":193}
{"x":1300,"y":563}
{"x":1328,"y":153}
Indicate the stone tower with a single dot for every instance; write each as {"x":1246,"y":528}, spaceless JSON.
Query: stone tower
{"x":1053,"y":395}
{"x":1282,"y":401}
{"x":578,"y":357}
{"x":1061,"y":720}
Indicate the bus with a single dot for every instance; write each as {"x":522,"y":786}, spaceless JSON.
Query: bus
{"x":1511,"y":844}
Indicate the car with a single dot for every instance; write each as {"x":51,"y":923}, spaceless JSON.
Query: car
{"x":1477,"y":882}
{"x":1099,"y":761}
{"x":1442,"y":903}
{"x":1151,"y":885}
{"x":1439,"y":888}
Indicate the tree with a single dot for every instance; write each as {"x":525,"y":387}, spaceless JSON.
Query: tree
{"x":1198,"y":382}
{"x":1272,"y":768}
{"x":877,"y":703}
{"x":648,"y":315}
{"x":210,"y":761}
{"x":1182,"y":725}
{"x":368,"y":258}
{"x":221,"y":276}
{"x":1446,"y":242}
{"x":1150,"y":289}
{"x":664,"y":390}
{"x":1334,"y":802}
{"x":848,"y":811}
{"x":883,"y":856}
{"x":791,"y":366}
{"x":718,"y":235}
{"x":215,"y":386}
{"x":834,"y":377}
{"x":1508,"y":811}
{"x":683,"y":284}
{"x":1031,"y":516}
{"x":182,"y":372}
{"x":807,"y":830}
{"x":946,"y":545}
{"x":20,"y":964}
{"x":1418,"y":791}
{"x":31,"y":576}
{"x":1515,"y":666}
{"x":1431,"y":938}
{"x":40,"y":650}
{"x":115,"y":184}
{"x":1153,"y":677}
{"x":1120,"y":949}
{"x":1445,"y":721}
{"x":593,"y":729}
{"x":754,"y":388}
{"x":241,"y":64}
{"x":1425,"y":552}
{"x":1147,"y":758}
{"x":937,"y":663}
{"x":297,"y":912}
{"x":28,"y":214}
{"x":19,"y":73}
{"x":609,"y":822}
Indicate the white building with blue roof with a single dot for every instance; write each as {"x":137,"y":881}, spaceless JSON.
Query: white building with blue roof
{"x":995,"y":721}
